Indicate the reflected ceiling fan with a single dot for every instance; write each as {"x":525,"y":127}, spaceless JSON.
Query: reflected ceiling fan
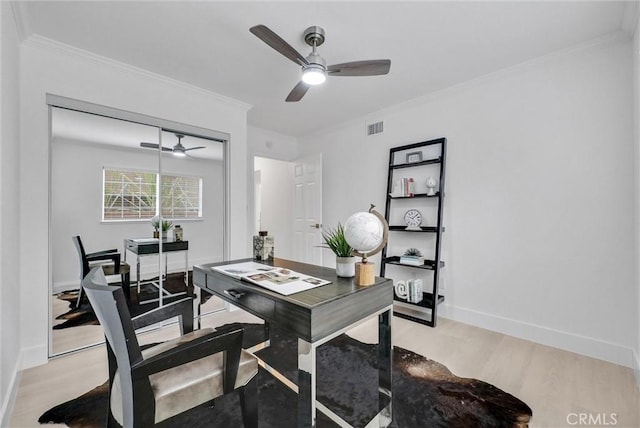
{"x":177,"y":150}
{"x":314,"y":68}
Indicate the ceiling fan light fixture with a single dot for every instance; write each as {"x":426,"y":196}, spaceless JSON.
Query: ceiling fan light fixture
{"x":179,"y":154}
{"x":314,"y":74}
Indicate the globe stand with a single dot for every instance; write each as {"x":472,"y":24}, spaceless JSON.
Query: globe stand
{"x":365,"y":273}
{"x":356,"y":227}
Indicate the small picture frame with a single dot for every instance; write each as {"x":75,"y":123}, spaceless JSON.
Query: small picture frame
{"x":414,"y":157}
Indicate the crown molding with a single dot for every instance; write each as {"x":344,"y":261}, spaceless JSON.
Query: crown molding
{"x":19,"y":14}
{"x":44,"y":43}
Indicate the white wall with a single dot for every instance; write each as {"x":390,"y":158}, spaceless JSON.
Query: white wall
{"x":270,"y":144}
{"x":76,"y":201}
{"x":540,"y":195}
{"x":9,"y":209}
{"x":636,"y":138}
{"x":277,"y":203}
{"x":47,"y":67}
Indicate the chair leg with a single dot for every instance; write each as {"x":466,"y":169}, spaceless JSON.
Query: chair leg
{"x":249,"y":403}
{"x":126,"y":285}
{"x":79,"y":301}
{"x":111,"y":421}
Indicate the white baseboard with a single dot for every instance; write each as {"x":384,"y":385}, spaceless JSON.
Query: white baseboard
{"x":579,"y":344}
{"x":34,"y":356}
{"x":10,"y":399}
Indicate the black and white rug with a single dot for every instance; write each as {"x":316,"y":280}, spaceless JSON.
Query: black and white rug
{"x":83,"y":314}
{"x":425,"y":392}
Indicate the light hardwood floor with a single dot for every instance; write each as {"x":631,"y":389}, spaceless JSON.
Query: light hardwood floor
{"x":558,"y":385}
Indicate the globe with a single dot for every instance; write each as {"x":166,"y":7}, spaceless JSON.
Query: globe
{"x":363,"y":231}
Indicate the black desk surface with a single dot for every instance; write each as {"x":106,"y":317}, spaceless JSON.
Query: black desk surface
{"x":150,"y":246}
{"x":311,"y":314}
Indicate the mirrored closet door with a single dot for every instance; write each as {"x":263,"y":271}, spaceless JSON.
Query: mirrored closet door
{"x":122,"y":188}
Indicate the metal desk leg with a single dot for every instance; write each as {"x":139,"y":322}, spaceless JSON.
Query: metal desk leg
{"x":186,"y":269}
{"x":197,"y":302}
{"x":306,"y":384}
{"x":138,"y":274}
{"x":385,"y":365}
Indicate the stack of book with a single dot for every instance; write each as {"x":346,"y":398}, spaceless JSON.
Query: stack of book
{"x":412,"y":260}
{"x":414,"y":292}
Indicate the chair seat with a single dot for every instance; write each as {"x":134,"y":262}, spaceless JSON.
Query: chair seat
{"x":109,"y":268}
{"x":178,"y":389}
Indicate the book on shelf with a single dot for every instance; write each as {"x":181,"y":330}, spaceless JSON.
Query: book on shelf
{"x":403,"y":188}
{"x":278,"y":279}
{"x":412,"y":260}
{"x":415,"y":290}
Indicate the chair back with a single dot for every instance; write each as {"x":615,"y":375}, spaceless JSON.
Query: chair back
{"x":110,"y":307}
{"x":84,"y":263}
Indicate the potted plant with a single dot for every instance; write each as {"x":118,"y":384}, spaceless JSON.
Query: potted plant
{"x":334,"y":240}
{"x":166,"y":225}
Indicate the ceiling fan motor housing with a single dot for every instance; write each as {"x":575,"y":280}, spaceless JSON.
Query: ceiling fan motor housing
{"x":315,"y":59}
{"x":314,"y":36}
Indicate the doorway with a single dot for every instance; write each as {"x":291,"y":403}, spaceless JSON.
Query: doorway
{"x":288,"y":204}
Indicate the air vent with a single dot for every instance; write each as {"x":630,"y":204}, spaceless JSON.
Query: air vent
{"x":375,"y":128}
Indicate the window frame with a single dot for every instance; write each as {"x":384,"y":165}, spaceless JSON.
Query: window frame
{"x":157,"y":196}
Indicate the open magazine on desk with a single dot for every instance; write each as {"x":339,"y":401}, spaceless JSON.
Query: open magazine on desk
{"x":280,"y":280}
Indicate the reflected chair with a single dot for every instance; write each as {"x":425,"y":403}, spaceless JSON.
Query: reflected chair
{"x":151,"y":385}
{"x":110,"y":262}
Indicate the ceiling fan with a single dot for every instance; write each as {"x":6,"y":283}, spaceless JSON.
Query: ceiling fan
{"x":178,"y":149}
{"x":314,"y":68}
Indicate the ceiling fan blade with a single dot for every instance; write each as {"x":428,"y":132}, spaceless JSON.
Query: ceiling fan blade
{"x":154,"y":146}
{"x":373,"y":67}
{"x":276,"y":42}
{"x":298,"y":92}
{"x":194,"y":148}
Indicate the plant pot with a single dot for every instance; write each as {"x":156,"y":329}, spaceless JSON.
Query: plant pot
{"x":346,"y":266}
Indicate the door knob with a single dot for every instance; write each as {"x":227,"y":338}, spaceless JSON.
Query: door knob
{"x":316,"y":226}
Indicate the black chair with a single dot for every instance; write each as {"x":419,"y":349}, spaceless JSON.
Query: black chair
{"x":151,"y":385}
{"x":110,"y":262}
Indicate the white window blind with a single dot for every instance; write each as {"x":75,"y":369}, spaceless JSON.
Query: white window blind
{"x":181,"y":196}
{"x":133,"y":195}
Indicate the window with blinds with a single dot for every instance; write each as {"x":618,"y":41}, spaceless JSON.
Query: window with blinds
{"x":133,"y":195}
{"x":181,"y":196}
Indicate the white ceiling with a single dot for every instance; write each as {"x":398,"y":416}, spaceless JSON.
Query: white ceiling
{"x":75,"y":126}
{"x":432,"y":45}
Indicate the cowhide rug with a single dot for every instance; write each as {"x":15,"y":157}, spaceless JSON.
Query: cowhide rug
{"x":425,"y":392}
{"x":83,"y":315}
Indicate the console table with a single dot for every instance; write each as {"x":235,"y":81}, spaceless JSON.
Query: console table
{"x":150,"y":246}
{"x":315,"y":316}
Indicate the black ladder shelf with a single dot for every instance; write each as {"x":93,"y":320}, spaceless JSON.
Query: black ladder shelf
{"x":422,"y":156}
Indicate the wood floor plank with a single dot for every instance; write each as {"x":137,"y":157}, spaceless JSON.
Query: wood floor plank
{"x":556,"y":384}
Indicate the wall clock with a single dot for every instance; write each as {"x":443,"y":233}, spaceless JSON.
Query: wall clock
{"x":413,"y":219}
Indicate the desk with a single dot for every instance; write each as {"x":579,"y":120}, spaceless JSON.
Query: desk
{"x":315,"y":316}
{"x":150,"y":246}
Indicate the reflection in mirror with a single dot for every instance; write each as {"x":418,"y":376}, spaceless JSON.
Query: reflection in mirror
{"x":107,"y":188}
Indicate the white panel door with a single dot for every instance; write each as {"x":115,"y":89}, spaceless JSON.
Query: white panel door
{"x":308,"y":210}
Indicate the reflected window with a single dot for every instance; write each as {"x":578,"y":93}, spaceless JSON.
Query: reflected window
{"x":133,"y":195}
{"x":181,"y":196}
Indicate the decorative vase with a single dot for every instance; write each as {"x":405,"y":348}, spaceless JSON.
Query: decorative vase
{"x":263,"y":246}
{"x":156,"y":234}
{"x":346,"y":266}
